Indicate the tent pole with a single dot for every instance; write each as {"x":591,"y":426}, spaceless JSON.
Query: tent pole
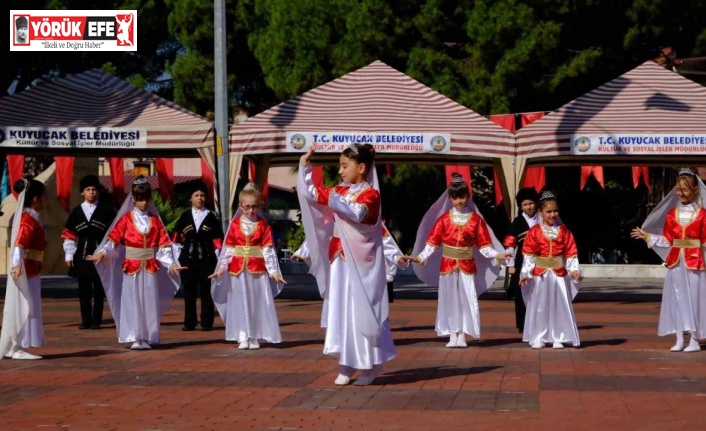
{"x":221,"y":107}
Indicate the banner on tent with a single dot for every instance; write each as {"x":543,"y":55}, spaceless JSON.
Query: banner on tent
{"x":639,"y":144}
{"x":79,"y":137}
{"x":384,"y":142}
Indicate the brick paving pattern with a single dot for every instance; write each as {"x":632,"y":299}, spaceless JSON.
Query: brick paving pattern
{"x":622,"y":377}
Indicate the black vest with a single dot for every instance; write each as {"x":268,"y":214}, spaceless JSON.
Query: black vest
{"x":198,"y":245}
{"x":90,"y":234}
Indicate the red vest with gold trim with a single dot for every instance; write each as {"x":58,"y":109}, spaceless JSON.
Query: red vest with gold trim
{"x":538,"y":245}
{"x":32,"y":238}
{"x":682,"y":236}
{"x":245,"y":257}
{"x":447,"y":233}
{"x":125,"y":232}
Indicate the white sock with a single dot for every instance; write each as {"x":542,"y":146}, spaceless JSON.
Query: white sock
{"x":694,"y":341}
{"x":680,"y":338}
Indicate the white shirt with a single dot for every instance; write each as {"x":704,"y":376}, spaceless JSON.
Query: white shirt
{"x":89,"y":209}
{"x":199,"y":216}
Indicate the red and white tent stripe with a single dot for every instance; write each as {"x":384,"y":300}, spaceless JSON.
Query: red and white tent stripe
{"x":647,"y":99}
{"x":375,"y":98}
{"x":96,"y":99}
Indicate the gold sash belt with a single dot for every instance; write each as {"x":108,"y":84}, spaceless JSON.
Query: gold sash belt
{"x":686,"y":243}
{"x":248,"y":251}
{"x":461,"y":253}
{"x":136,"y":253}
{"x":548,"y":262}
{"x":34,"y":255}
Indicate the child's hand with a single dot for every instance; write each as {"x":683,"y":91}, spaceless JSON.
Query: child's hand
{"x":97,"y":258}
{"x":217,"y":274}
{"x":16,"y":272}
{"x":175,"y":269}
{"x":638,"y":233}
{"x":511,"y":270}
{"x":69,"y":263}
{"x":576,"y":275}
{"x":410,"y":259}
{"x":278,"y":278}
{"x":503,"y":256}
{"x":523,"y":281}
{"x":306,"y":158}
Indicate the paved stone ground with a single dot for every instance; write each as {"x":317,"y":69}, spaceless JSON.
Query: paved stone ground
{"x":622,"y":377}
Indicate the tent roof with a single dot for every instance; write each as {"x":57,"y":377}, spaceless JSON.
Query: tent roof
{"x":375,"y":98}
{"x":96,"y":99}
{"x":647,"y":99}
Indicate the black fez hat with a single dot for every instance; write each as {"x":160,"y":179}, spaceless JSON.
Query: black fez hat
{"x":21,"y":22}
{"x":89,"y":181}
{"x":527,"y":194}
{"x":198,"y":186}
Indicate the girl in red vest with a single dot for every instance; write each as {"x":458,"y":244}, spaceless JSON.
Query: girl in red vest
{"x":677,"y":230}
{"x":245,"y":299}
{"x":549,"y":275}
{"x":139,"y":268}
{"x":344,"y":235}
{"x":466,"y":266}
{"x":22,"y":316}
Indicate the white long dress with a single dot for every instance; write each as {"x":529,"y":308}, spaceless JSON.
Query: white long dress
{"x":457,"y":308}
{"x":31,"y":334}
{"x":246,"y":301}
{"x":392,"y":253}
{"x":684,"y":294}
{"x":143,"y":299}
{"x":344,"y":337}
{"x":550,"y":314}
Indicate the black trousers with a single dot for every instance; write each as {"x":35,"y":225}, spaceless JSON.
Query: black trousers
{"x":515,"y":291}
{"x":91,"y":297}
{"x":196,"y":283}
{"x":390,"y":292}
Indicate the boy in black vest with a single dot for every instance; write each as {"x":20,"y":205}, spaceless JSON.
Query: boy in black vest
{"x":515,"y":239}
{"x":201,"y":234}
{"x":84,"y":230}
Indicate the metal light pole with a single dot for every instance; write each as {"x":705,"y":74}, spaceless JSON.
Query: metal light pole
{"x":221,"y":108}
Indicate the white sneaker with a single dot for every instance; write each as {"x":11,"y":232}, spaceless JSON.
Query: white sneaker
{"x":9,"y":354}
{"x":557,"y":345}
{"x":21,"y":354}
{"x":243,"y":345}
{"x":136,"y":346}
{"x":254,"y":345}
{"x":677,"y":348}
{"x":144,"y":345}
{"x":342,"y":380}
{"x":453,"y":339}
{"x":538,"y":345}
{"x":461,"y":341}
{"x":692,"y":348}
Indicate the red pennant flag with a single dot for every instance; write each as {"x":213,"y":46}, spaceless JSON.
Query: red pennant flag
{"x":389,"y":170}
{"x":529,"y":118}
{"x":641,"y":171}
{"x":586,"y":172}
{"x":317,"y":175}
{"x":165,"y":177}
{"x":535,"y":177}
{"x":506,"y":121}
{"x":15,"y":169}
{"x":64,"y":180}
{"x":117,"y":178}
{"x":253,"y":178}
{"x":465,"y":172}
{"x":207,"y":176}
